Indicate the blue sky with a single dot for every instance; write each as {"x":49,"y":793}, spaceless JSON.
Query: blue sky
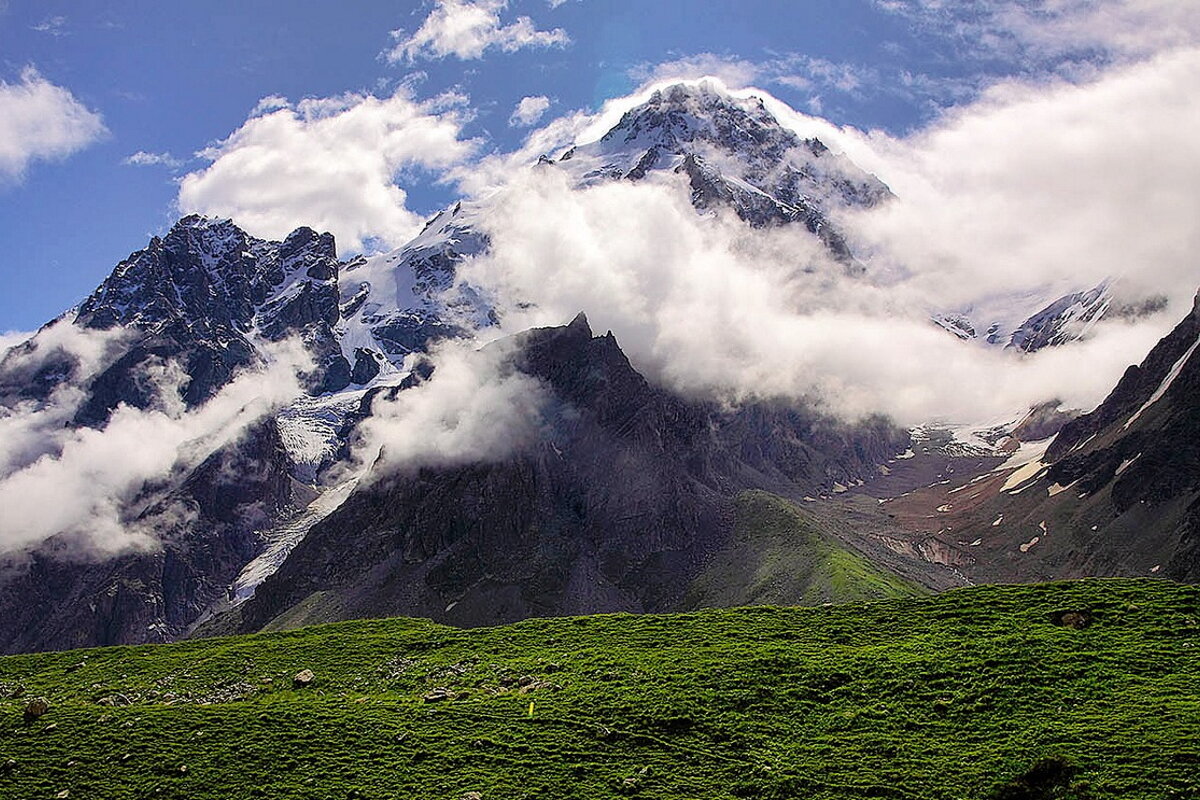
{"x":167,"y":80}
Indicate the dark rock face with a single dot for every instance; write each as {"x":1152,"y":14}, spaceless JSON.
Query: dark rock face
{"x":1142,"y":445}
{"x":614,"y":508}
{"x":1062,"y":321}
{"x":1138,"y":385}
{"x":197,"y":294}
{"x":1116,"y":494}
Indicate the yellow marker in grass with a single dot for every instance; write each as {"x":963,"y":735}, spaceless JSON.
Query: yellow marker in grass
{"x":531,"y":709}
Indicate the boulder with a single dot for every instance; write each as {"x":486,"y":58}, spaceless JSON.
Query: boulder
{"x":36,"y":708}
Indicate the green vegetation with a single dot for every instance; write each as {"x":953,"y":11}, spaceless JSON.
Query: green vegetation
{"x":779,"y":556}
{"x":988,"y":692}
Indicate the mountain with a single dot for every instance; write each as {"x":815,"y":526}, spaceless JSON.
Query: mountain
{"x":183,"y":319}
{"x":1029,"y":322}
{"x":197,"y":297}
{"x":625,"y":499}
{"x":199,"y":304}
{"x":272,"y":510}
{"x":735,"y":154}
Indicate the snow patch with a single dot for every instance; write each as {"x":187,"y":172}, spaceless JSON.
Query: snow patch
{"x":1165,"y":385}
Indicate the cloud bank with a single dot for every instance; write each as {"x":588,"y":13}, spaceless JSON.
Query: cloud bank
{"x":40,"y":121}
{"x":82,"y":487}
{"x":709,"y":306}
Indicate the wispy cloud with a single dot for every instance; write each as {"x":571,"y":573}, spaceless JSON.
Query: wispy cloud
{"x":81,"y":485}
{"x":10,"y":339}
{"x":1060,"y":34}
{"x":145,"y":159}
{"x":54,"y":26}
{"x":475,"y":407}
{"x":41,"y":121}
{"x":467,"y":29}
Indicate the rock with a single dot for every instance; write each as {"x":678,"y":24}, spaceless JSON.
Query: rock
{"x":303,"y":679}
{"x":1077,"y":619}
{"x":36,"y":708}
{"x":471,"y":796}
{"x":439,"y":694}
{"x":65,"y":793}
{"x":52,"y":726}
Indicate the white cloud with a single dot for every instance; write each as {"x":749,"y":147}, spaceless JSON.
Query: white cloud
{"x":271,"y":102}
{"x":10,"y":339}
{"x":475,"y":407}
{"x":41,"y":121}
{"x":145,"y":159}
{"x":529,"y":111}
{"x":712,"y":307}
{"x":1057,"y":184}
{"x":330,"y":163}
{"x":467,"y":29}
{"x":796,"y":71}
{"x":733,"y":72}
{"x":81,"y":486}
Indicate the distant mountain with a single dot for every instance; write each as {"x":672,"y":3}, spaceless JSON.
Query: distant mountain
{"x":1115,"y":493}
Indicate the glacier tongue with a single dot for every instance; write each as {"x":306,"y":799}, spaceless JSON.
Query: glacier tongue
{"x":280,"y":541}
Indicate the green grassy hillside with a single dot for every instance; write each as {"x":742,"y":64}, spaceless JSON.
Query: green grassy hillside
{"x":975,"y":693}
{"x":779,"y":556}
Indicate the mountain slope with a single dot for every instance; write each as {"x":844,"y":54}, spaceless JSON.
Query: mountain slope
{"x":1116,"y":492}
{"x":980,"y":693}
{"x":779,"y":555}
